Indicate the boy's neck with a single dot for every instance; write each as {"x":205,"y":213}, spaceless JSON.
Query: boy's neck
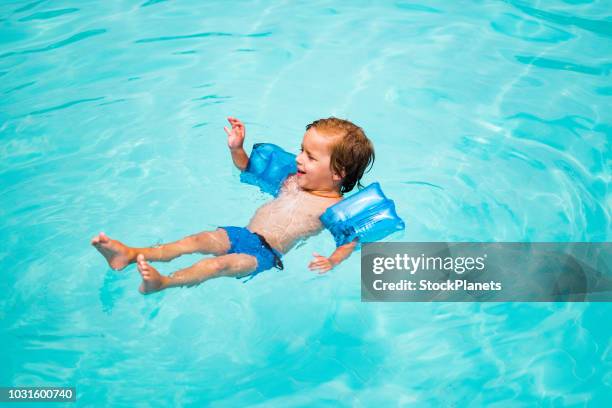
{"x":325,"y":193}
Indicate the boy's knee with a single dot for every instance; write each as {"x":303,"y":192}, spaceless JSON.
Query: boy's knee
{"x":233,"y":264}
{"x":195,"y":241}
{"x":218,"y":264}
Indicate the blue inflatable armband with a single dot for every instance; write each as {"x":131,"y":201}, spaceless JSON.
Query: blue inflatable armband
{"x":269,"y":165}
{"x":368,"y":215}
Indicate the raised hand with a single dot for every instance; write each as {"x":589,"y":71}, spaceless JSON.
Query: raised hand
{"x":235,"y":136}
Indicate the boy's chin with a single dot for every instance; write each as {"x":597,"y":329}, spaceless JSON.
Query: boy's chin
{"x":302,"y":183}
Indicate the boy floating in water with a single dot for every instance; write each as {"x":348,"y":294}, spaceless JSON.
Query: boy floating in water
{"x":335,"y":154}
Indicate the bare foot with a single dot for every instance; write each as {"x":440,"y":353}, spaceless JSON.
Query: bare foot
{"x":117,"y":255}
{"x":152,"y":281}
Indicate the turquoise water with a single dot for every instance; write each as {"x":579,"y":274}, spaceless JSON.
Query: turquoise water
{"x":491,"y":122}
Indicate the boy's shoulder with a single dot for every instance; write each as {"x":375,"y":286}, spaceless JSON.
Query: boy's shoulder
{"x":289,"y":181}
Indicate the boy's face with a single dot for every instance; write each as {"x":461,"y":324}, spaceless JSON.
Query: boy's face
{"x":313,"y":163}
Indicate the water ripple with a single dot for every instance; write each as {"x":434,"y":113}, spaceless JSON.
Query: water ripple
{"x":18,"y":87}
{"x":44,"y":15}
{"x":529,"y":30}
{"x":75,"y":38}
{"x":416,"y":7}
{"x":152,"y":2}
{"x":207,"y":97}
{"x":604,"y":90}
{"x":29,"y":6}
{"x":599,"y":27}
{"x":201,"y":35}
{"x":65,"y":105}
{"x":423,"y":183}
{"x":549,"y":63}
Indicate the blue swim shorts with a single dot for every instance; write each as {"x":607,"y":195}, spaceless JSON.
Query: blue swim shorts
{"x":243,"y":241}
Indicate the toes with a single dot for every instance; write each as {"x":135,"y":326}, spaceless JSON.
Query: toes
{"x":145,"y":275}
{"x":101,"y":238}
{"x":143,"y":266}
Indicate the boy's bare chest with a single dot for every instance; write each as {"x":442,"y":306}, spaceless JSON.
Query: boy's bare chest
{"x":294,"y":207}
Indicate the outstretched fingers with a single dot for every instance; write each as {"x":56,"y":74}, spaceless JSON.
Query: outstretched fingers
{"x":237,"y":126}
{"x":319,"y":263}
{"x":235,"y":122}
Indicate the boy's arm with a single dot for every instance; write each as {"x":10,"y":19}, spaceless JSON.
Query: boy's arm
{"x":240,"y":158}
{"x":235,"y":139}
{"x":323,"y":264}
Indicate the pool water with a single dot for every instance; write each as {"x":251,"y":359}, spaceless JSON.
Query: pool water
{"x":491,"y":122}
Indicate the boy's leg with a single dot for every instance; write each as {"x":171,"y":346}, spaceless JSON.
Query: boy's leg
{"x":224,"y":265}
{"x":119,"y":255}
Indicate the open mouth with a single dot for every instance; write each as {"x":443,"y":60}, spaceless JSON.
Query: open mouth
{"x":300,"y":172}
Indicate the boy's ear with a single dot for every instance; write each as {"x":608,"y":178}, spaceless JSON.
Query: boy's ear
{"x":338,"y":177}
